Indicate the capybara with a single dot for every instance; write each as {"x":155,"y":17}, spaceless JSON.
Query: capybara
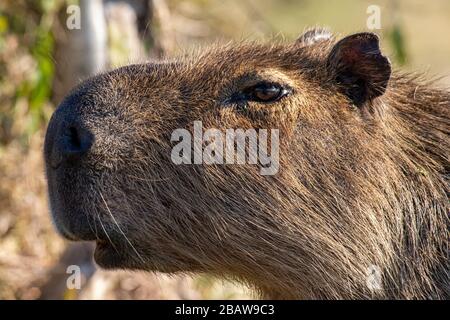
{"x":358,"y":207}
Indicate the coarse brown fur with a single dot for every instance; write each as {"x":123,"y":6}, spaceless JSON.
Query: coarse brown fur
{"x":358,"y":187}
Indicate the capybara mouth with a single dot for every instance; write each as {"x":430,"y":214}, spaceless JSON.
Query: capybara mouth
{"x":108,"y":256}
{"x":113,"y":252}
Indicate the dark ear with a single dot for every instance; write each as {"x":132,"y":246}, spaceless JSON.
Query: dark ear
{"x":359,"y":68}
{"x":311,"y":36}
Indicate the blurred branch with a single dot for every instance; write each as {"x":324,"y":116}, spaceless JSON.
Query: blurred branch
{"x":79,"y":53}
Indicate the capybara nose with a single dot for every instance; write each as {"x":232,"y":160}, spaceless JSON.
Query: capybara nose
{"x":67,"y":141}
{"x":75,"y":142}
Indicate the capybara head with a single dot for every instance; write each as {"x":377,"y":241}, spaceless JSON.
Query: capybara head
{"x":356,"y":180}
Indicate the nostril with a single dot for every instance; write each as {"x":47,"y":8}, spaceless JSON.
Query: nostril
{"x":73,"y":138}
{"x":76,"y":141}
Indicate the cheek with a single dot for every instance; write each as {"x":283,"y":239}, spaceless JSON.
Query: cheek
{"x":283,"y":116}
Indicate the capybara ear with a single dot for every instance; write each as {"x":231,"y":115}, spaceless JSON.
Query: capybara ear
{"x":313,"y":35}
{"x":359,"y":67}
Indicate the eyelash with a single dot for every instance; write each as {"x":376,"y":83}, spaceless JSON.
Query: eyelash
{"x":247,"y":94}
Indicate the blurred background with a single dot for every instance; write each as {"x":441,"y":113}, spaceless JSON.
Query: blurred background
{"x":45,"y":50}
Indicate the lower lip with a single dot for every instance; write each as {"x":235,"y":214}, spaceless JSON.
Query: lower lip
{"x":101,"y":252}
{"x":102,"y":245}
{"x":107,"y":256}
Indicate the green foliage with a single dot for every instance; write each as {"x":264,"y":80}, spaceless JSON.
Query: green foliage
{"x":397,"y":41}
{"x":25,"y":89}
{"x":40,"y":86}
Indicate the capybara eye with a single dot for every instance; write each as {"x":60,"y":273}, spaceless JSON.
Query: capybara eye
{"x":265,"y":92}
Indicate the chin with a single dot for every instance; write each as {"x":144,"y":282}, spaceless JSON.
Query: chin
{"x":108,"y":256}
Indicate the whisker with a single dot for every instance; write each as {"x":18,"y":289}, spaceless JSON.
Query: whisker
{"x":93,"y":225}
{"x":106,"y":232}
{"x":150,"y":180}
{"x":120,"y":229}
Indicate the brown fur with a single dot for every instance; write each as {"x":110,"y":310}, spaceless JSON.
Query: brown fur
{"x":356,"y":187}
